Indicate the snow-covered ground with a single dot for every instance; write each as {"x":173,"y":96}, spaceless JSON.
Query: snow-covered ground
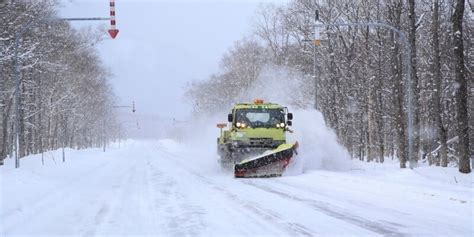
{"x":168,"y":189}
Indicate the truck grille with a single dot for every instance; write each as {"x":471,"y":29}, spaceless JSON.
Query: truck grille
{"x":261,"y":142}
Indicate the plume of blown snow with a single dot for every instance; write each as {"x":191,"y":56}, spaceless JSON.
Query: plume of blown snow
{"x":201,"y":141}
{"x":282,"y":85}
{"x":318,"y":145}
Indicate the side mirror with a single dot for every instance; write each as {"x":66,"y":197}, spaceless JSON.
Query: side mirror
{"x":289,"y":123}
{"x":289,"y":116}
{"x":229,"y":118}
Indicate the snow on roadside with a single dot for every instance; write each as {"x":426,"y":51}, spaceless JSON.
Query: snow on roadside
{"x":390,"y":170}
{"x":422,"y":201}
{"x":42,"y":179}
{"x":426,"y":201}
{"x":417,"y":201}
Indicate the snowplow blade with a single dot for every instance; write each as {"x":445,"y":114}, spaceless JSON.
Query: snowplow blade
{"x":269,"y":164}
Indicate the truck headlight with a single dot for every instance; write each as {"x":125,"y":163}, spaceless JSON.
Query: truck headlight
{"x":238,"y":124}
{"x":282,"y":125}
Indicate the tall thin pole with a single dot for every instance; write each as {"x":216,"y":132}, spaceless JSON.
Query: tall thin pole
{"x":316,"y":36}
{"x":113,"y":29}
{"x":17,"y":100}
{"x":119,"y":130}
{"x":103,"y":135}
{"x":315,"y":79}
{"x":112,"y":15}
{"x":65,"y":134}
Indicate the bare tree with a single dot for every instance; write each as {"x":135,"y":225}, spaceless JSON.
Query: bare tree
{"x":436,"y":70}
{"x":64,"y":89}
{"x":461,"y":88}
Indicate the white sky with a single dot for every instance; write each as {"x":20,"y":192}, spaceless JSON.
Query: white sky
{"x":162,"y":45}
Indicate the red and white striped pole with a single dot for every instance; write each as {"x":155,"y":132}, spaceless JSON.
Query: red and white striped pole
{"x":113,"y":31}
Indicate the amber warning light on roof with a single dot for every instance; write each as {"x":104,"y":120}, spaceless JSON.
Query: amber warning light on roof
{"x":258,"y":101}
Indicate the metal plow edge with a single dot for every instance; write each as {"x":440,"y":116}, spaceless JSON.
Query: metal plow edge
{"x":271,"y":164}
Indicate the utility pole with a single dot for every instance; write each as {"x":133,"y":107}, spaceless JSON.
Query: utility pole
{"x":316,"y":42}
{"x":103,"y":134}
{"x":65,"y":134}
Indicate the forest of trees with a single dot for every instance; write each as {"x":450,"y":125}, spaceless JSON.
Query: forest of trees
{"x":356,"y":77}
{"x":65,"y":98}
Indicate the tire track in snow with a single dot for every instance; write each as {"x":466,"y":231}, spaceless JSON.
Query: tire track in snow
{"x":133,"y":209}
{"x":322,"y":207}
{"x":98,"y":219}
{"x":332,"y":211}
{"x":110,"y":203}
{"x":182,"y":219}
{"x":329,"y":195}
{"x":269,"y":216}
{"x":262,"y":212}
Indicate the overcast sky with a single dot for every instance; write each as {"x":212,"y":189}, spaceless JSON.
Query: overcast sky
{"x":162,"y":45}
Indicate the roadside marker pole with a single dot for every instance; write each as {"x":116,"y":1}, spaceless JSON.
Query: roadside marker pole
{"x":113,"y":30}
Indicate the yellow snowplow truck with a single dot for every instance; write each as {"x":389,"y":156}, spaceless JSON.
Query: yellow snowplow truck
{"x":255,"y":144}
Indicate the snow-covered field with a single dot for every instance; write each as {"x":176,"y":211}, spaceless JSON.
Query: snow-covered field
{"x":163,"y":188}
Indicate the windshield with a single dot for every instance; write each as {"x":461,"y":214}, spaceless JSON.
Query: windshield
{"x":260,"y":117}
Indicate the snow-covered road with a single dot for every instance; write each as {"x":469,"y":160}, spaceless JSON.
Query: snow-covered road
{"x":159,"y":188}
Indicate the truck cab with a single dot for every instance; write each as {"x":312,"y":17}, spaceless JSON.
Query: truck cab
{"x":254,"y":128}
